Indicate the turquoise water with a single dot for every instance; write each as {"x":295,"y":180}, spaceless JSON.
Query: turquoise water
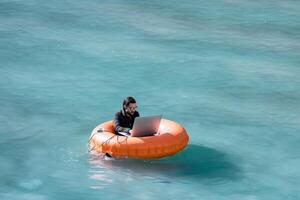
{"x":228,"y":71}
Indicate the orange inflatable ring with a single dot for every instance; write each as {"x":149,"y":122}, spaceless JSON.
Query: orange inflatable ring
{"x":171,"y":138}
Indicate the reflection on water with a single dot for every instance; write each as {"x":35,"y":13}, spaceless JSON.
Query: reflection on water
{"x":195,"y":163}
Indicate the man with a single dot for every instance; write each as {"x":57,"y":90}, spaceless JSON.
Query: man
{"x":124,"y":119}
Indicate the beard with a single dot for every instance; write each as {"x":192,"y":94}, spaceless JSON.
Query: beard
{"x":129,"y":112}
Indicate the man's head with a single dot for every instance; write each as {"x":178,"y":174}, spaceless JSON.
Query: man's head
{"x":129,"y":105}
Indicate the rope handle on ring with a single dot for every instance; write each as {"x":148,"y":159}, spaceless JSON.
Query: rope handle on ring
{"x":99,"y":131}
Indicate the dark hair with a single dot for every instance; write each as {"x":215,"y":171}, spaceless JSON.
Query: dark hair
{"x":127,"y":101}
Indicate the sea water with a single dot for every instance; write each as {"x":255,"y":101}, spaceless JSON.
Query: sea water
{"x":227,"y":70}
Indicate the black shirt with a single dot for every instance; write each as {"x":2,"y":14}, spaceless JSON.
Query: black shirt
{"x":123,"y":122}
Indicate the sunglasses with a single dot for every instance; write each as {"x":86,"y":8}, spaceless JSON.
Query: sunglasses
{"x":132,"y":108}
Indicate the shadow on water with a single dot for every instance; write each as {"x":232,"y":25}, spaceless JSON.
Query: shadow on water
{"x":193,"y":162}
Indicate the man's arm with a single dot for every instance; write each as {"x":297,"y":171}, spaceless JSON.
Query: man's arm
{"x":117,"y":126}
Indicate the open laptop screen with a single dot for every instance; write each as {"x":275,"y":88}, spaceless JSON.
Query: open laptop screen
{"x":146,"y":126}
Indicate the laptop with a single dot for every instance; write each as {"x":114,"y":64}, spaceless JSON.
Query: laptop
{"x":145,"y":126}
